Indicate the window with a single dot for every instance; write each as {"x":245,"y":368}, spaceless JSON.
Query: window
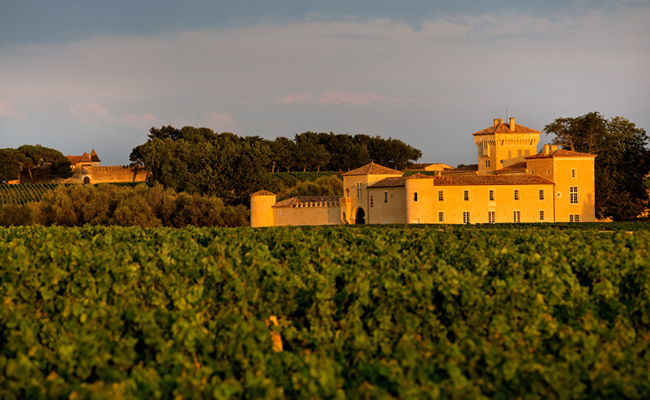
{"x":415,"y":196}
{"x":541,"y":215}
{"x":441,"y":216}
{"x":359,"y":191}
{"x":385,"y":197}
{"x":574,"y":173}
{"x":491,"y":195}
{"x":573,"y":195}
{"x":491,"y":217}
{"x":441,"y":195}
{"x":574,"y":218}
{"x":465,"y":217}
{"x":548,"y":172}
{"x":466,"y":195}
{"x":371,"y":201}
{"x":517,"y":216}
{"x":516,"y":194}
{"x":541,"y":194}
{"x":532,"y":172}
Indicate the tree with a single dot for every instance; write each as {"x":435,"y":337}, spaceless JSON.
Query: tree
{"x":44,"y":163}
{"x":310,"y":154}
{"x":10,"y":163}
{"x":622,"y":164}
{"x":198,"y":160}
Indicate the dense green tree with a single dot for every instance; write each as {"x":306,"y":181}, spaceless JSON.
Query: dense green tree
{"x":44,"y":163}
{"x":310,"y":154}
{"x":282,"y":154}
{"x":622,"y":161}
{"x":10,"y":163}
{"x":198,"y":160}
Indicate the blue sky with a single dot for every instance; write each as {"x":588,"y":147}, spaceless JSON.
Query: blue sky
{"x":81,"y":74}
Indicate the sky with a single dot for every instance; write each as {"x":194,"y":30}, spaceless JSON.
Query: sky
{"x":77,"y":75}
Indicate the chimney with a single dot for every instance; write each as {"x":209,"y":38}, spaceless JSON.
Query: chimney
{"x":553,"y":147}
{"x":546,"y":149}
{"x":512,"y":124}
{"x":498,"y":121}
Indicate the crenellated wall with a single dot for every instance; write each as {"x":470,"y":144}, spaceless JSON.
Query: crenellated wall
{"x":116,"y":174}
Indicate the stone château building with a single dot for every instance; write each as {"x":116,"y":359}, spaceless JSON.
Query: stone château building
{"x":87,"y":169}
{"x":511,"y":182}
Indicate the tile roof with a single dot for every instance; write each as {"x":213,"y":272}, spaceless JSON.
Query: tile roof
{"x":560,"y":153}
{"x":471,"y":169}
{"x":373,"y":169}
{"x":85,"y":157}
{"x":425,"y":165}
{"x":475,"y":180}
{"x":388,"y":182}
{"x":74,"y":160}
{"x":504,"y":128}
{"x":263,"y":193}
{"x":295,"y":201}
{"x":514,"y":167}
{"x":419,"y":176}
{"x":94,"y":157}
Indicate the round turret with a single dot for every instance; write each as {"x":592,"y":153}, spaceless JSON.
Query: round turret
{"x":262,"y":208}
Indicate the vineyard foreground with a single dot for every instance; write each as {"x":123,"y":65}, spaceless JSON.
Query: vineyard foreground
{"x":377,"y":312}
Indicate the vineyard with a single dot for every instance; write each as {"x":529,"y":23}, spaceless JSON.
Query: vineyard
{"x":24,"y":193}
{"x":362,"y":312}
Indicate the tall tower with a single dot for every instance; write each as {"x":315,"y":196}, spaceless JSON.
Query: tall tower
{"x":504,"y":144}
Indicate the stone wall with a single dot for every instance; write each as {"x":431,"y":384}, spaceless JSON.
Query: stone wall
{"x":108,"y":174}
{"x":116,"y":174}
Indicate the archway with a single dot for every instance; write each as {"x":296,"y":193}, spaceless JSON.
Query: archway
{"x":86,"y":180}
{"x":361,"y":216}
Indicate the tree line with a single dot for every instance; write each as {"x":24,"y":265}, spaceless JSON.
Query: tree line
{"x":198,"y":160}
{"x":39,"y":162}
{"x":142,"y":205}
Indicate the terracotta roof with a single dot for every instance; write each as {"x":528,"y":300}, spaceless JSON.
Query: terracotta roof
{"x":504,"y":128}
{"x":74,"y":160}
{"x":514,"y":167}
{"x":263,"y":193}
{"x":373,"y":169}
{"x":466,"y":170}
{"x":419,"y":176}
{"x":560,"y":153}
{"x":294,"y":201}
{"x":94,"y":157}
{"x":474,"y":180}
{"x":388,"y":182}
{"x":425,"y":165}
{"x":85,"y":157}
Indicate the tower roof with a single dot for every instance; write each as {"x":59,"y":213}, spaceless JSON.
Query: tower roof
{"x":501,"y":127}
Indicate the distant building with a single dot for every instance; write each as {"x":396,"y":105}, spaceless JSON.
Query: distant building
{"x":512,"y":182}
{"x":87,"y":169}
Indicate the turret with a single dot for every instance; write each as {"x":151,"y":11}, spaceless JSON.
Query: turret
{"x":262,"y":208}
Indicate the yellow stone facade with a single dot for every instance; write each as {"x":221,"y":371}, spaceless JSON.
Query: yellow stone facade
{"x":511,"y":183}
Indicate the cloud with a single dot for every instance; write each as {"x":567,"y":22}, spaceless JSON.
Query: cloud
{"x":89,"y":113}
{"x":338,"y":96}
{"x":94,"y":113}
{"x":7,"y":111}
{"x":144,"y":121}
